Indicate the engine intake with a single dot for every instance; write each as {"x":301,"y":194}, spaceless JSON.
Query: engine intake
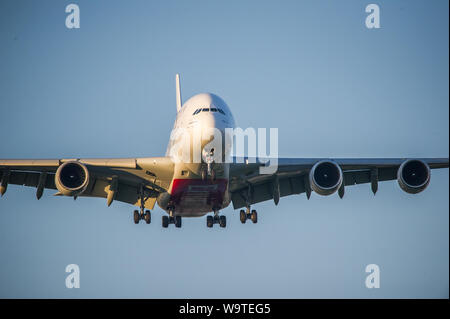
{"x":325,"y":177}
{"x":413,"y":176}
{"x":72,"y":178}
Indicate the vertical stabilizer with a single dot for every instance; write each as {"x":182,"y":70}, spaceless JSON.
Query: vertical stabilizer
{"x":178,"y":88}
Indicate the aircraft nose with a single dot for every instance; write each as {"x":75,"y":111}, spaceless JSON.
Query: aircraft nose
{"x":212,"y":120}
{"x":208,"y":120}
{"x":211,"y":127}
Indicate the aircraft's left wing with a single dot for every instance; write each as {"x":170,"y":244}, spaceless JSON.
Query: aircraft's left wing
{"x":122,"y":179}
{"x":293,"y":176}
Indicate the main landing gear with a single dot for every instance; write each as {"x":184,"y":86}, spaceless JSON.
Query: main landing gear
{"x":244,"y":215}
{"x":166,"y":220}
{"x":216,"y":219}
{"x":143,"y":214}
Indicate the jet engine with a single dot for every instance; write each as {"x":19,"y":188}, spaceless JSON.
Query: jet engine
{"x":326,"y":177}
{"x":413,"y":176}
{"x":72,"y":178}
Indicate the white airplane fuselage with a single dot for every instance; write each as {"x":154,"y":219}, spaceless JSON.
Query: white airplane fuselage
{"x":190,"y":194}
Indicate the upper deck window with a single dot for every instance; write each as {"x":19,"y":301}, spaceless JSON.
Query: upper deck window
{"x":213,"y":109}
{"x":221,"y":111}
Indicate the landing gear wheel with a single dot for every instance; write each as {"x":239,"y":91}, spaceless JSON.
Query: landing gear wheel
{"x":209,"y":221}
{"x":147,"y":217}
{"x":165,"y":221}
{"x":242,"y":216}
{"x":177,"y":221}
{"x":136,"y":217}
{"x":254,"y":216}
{"x":223,"y":221}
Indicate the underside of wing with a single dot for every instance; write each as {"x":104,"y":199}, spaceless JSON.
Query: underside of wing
{"x":130,"y":180}
{"x":325,"y":176}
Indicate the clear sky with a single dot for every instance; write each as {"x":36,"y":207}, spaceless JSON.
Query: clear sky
{"x":310,"y":68}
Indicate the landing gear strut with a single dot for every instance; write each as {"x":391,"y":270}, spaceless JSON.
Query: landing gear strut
{"x":143,"y":214}
{"x":209,"y":170}
{"x":252,"y":215}
{"x":216,"y":219}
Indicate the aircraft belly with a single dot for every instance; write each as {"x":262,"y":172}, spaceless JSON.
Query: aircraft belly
{"x":196,"y":197}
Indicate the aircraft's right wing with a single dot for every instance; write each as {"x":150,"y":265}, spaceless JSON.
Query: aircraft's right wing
{"x":248,"y":186}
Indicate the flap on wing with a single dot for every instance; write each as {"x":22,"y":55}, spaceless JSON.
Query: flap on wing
{"x":125,"y":193}
{"x":30,"y":179}
{"x":265,"y":191}
{"x":363,"y":176}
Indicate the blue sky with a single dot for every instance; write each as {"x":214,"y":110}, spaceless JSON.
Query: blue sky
{"x":310,"y":68}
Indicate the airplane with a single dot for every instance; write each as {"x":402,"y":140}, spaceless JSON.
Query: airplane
{"x":194,"y":189}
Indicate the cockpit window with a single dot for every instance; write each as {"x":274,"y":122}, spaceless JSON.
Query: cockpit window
{"x":213,"y":109}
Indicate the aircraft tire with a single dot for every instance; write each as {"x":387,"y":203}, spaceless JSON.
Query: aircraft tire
{"x":165,"y":221}
{"x":209,"y":221}
{"x":136,"y":217}
{"x":254,"y":216}
{"x":148,"y":217}
{"x":242,"y":216}
{"x":178,"y":221}
{"x":223,"y":221}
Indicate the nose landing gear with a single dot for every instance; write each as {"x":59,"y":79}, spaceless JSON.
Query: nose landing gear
{"x":209,"y":170}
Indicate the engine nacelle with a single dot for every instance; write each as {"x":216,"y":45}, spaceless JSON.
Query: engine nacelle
{"x":413,"y":176}
{"x":72,"y":178}
{"x":326,"y":177}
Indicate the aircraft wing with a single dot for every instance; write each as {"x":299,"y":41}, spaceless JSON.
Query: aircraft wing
{"x":248,"y":186}
{"x":128,"y":176}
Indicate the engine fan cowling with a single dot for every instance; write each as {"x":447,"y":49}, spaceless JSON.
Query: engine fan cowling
{"x":413,"y":176}
{"x":326,"y":177}
{"x":72,"y":178}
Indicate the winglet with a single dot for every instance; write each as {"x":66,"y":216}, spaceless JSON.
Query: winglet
{"x":178,"y":88}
